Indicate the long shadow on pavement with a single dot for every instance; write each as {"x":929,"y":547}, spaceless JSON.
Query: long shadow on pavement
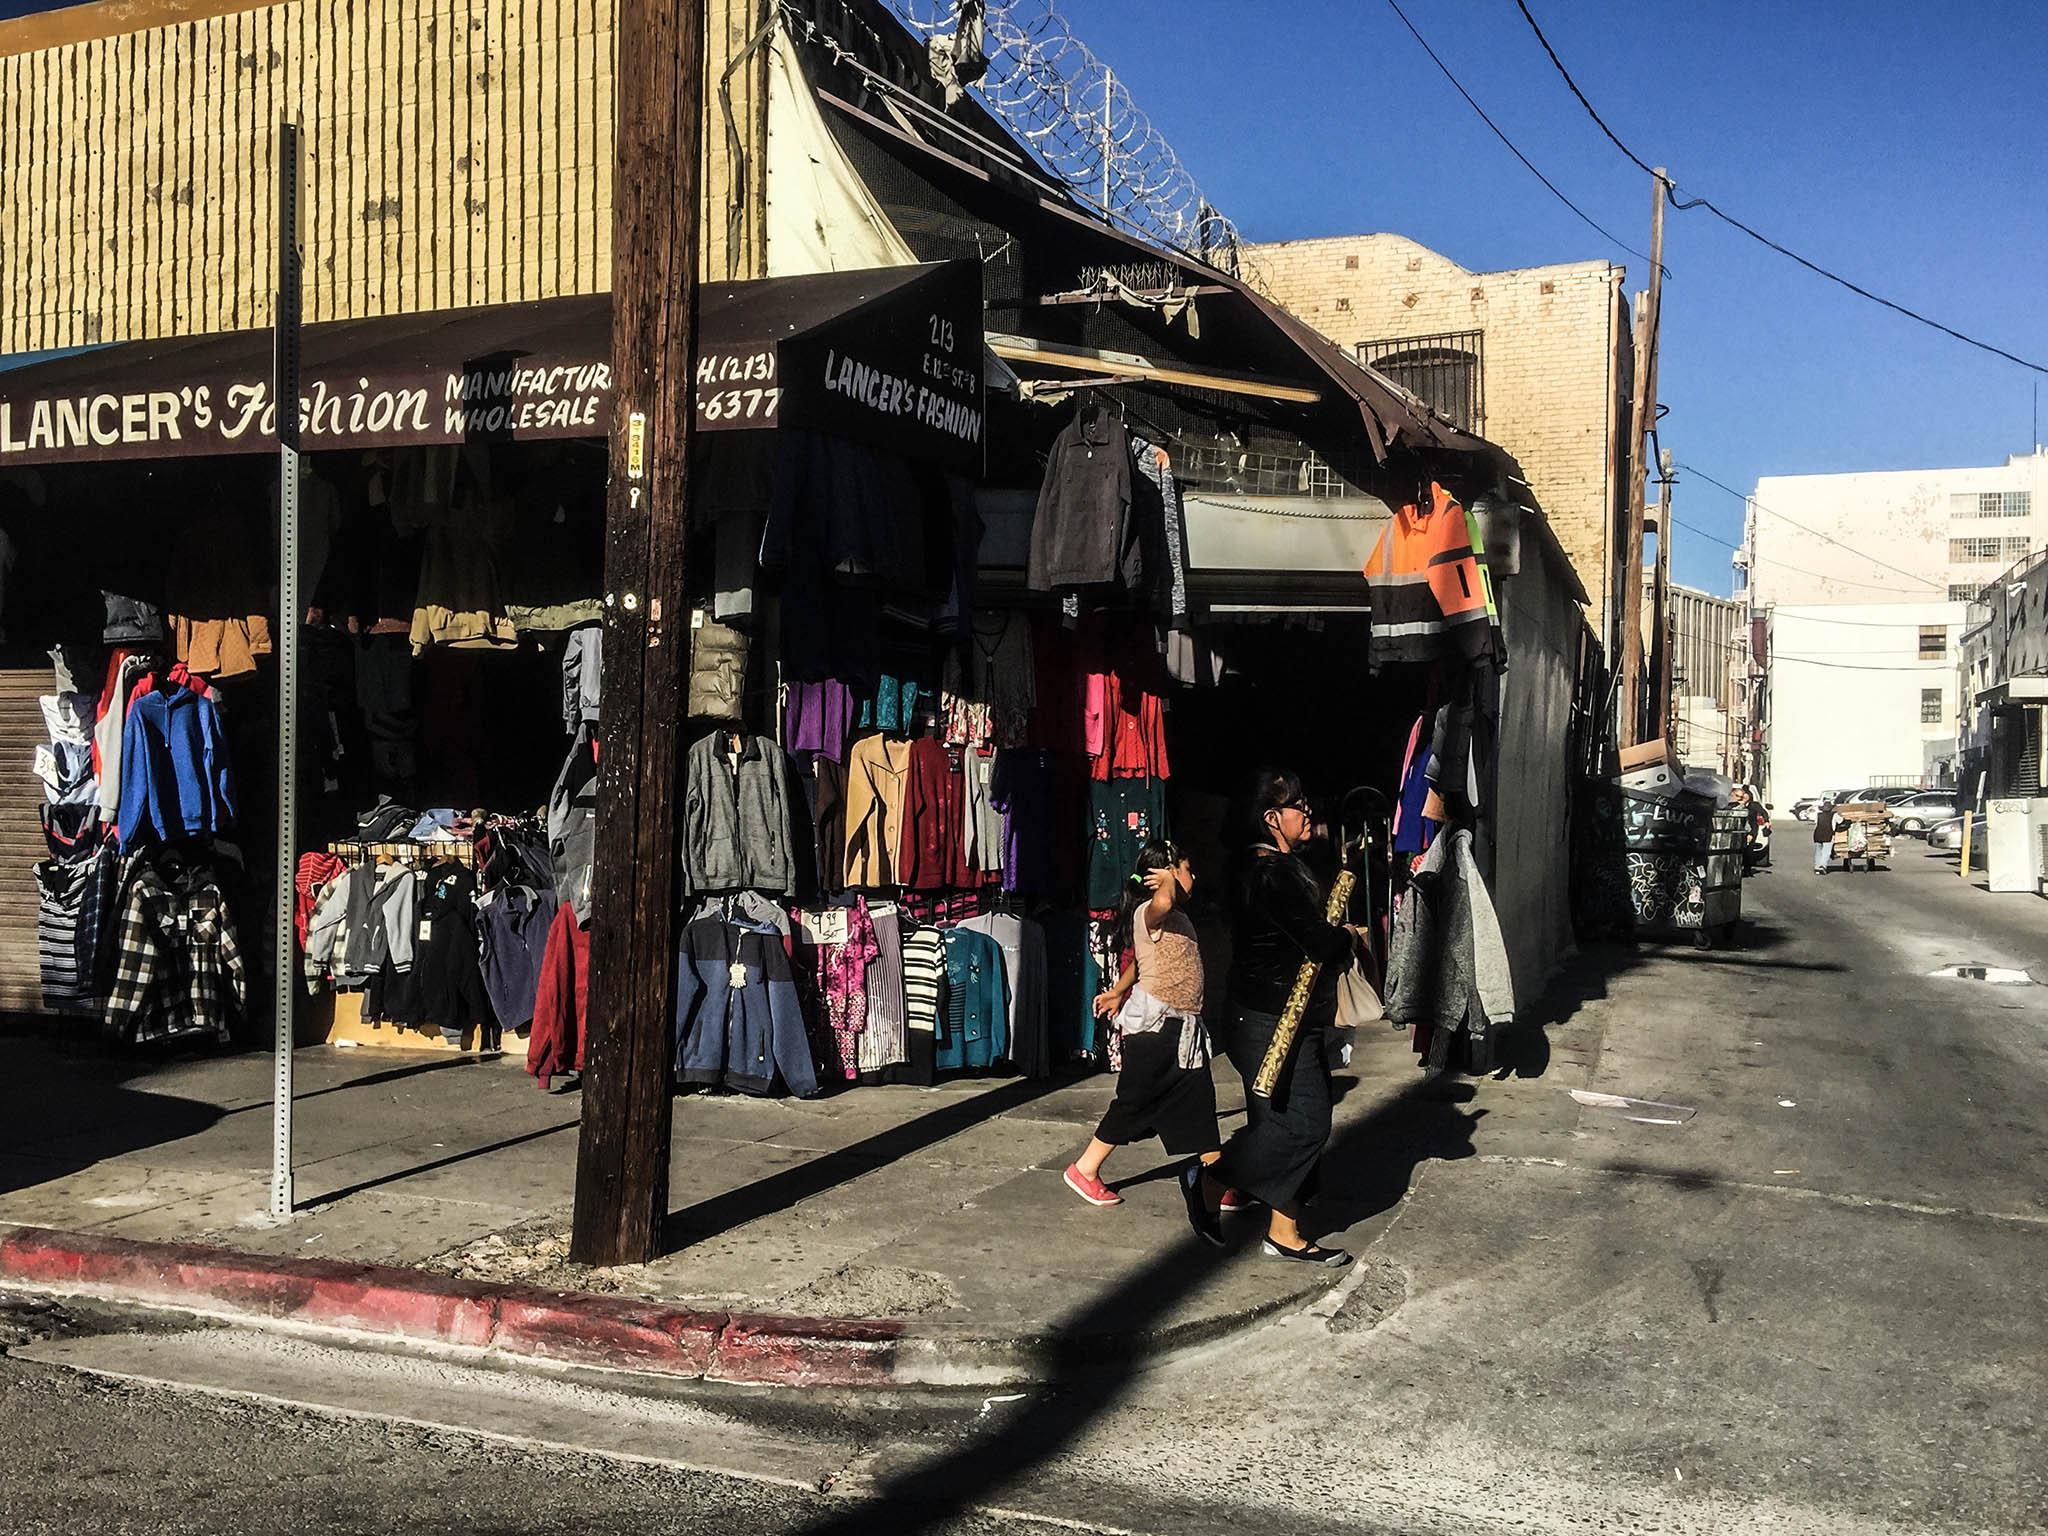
{"x":780,"y":1191}
{"x":69,"y":1108}
{"x":1369,"y":1165}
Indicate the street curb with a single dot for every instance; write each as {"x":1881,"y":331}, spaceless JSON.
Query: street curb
{"x":381,"y":1303}
{"x":577,"y":1328}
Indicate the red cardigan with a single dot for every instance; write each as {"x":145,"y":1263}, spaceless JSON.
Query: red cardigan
{"x":562,"y":1001}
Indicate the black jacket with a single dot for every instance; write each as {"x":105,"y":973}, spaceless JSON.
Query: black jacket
{"x":1084,"y":534}
{"x":1280,"y":923}
{"x":1824,"y":824}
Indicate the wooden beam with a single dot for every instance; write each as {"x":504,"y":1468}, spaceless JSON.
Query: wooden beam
{"x":1642,"y":415}
{"x":1089,"y":360}
{"x":623,"y":1148}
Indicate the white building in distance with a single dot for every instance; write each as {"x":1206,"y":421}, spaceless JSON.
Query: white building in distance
{"x":1893,"y":536}
{"x":1864,"y":582}
{"x":1861,"y":694}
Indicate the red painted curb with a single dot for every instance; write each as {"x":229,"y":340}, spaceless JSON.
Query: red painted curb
{"x":568,"y":1327}
{"x":807,"y":1351}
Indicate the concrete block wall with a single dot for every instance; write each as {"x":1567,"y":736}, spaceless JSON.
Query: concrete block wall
{"x":1550,"y":380}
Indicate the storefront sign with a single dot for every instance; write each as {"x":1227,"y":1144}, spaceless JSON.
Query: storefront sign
{"x":890,"y":357}
{"x":218,"y":412}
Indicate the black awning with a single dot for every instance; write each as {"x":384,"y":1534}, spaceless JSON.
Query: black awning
{"x":890,"y":356}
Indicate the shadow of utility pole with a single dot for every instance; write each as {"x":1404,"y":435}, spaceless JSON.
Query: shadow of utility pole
{"x":1368,"y":1166}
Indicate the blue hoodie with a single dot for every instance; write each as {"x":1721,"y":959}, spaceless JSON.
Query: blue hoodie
{"x":174,"y":769}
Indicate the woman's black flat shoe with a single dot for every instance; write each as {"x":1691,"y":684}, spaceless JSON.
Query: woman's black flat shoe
{"x":1207,"y":1227}
{"x":1308,"y":1253}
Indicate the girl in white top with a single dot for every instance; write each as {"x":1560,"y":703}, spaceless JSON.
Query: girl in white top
{"x":1164,"y":1088}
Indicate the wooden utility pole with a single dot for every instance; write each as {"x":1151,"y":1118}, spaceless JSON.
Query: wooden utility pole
{"x":622,"y":1154}
{"x":1642,"y":415}
{"x":1666,"y":631}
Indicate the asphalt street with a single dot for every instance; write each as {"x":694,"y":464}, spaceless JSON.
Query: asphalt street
{"x":1746,"y":1240}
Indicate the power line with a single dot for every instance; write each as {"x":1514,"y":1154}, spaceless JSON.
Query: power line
{"x":1798,"y":570}
{"x":1850,"y":666}
{"x":1925,"y":581}
{"x":1682,"y":204}
{"x":1786,"y":615}
{"x":1474,"y":105}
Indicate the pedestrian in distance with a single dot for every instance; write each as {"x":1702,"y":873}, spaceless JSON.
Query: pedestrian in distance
{"x":1823,"y":836}
{"x":1278,"y":924}
{"x":1164,"y":1088}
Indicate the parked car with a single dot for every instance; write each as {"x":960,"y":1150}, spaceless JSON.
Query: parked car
{"x":1919,"y":814}
{"x":1948,"y":835}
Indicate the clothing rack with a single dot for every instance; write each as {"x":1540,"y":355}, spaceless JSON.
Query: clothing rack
{"x":357,"y":851}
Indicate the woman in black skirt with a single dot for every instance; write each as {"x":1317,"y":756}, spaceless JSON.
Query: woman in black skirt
{"x":1278,"y":923}
{"x":1164,"y":1088}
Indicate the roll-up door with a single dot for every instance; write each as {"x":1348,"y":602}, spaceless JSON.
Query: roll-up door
{"x":21,"y":834}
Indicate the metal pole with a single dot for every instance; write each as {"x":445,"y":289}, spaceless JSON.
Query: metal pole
{"x":285,"y":394}
{"x":1108,"y":87}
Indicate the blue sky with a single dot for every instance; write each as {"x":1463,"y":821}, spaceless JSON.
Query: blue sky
{"x":1904,"y":146}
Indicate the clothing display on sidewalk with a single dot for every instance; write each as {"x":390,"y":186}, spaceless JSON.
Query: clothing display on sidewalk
{"x":177,"y":961}
{"x":1022,"y":945}
{"x":934,"y":846}
{"x":818,"y":718}
{"x":973,"y":1024}
{"x":736,"y":816}
{"x":1082,"y":535}
{"x":561,"y":1006}
{"x":448,"y":973}
{"x":837,"y":947}
{"x":74,"y":898}
{"x":513,"y":924}
{"x":175,"y":778}
{"x":884,"y":1046}
{"x":1432,"y":594}
{"x":738,"y":1021}
{"x":877,"y":785}
{"x":1123,"y":816}
{"x":1447,"y":966}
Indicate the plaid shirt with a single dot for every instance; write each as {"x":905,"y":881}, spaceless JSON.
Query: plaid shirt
{"x":177,"y":964}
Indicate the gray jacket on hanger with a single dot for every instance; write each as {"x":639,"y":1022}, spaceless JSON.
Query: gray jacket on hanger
{"x":736,"y":818}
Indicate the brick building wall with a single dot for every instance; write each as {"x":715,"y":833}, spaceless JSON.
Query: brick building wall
{"x":1556,"y":368}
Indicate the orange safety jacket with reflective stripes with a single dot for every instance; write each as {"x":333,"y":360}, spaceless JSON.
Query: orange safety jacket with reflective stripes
{"x":1432,"y":596}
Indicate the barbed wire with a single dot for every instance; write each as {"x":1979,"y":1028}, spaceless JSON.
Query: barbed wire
{"x":1069,"y":109}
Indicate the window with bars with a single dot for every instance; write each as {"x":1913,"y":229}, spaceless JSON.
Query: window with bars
{"x":1930,"y":706}
{"x":1446,"y":371}
{"x":1986,"y":547}
{"x":1964,"y":591}
{"x":1991,"y":504}
{"x":1933,"y":642}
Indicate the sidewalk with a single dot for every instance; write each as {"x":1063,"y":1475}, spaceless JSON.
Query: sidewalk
{"x":938,"y":1213}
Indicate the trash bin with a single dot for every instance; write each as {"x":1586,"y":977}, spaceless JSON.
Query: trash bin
{"x":1684,"y":866}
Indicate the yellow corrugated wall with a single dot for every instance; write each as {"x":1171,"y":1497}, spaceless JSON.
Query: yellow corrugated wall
{"x":457,"y":152}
